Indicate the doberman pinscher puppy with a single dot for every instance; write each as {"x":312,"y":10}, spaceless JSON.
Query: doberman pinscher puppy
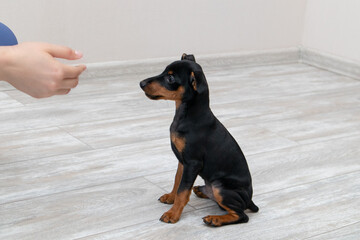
{"x":202,"y":145}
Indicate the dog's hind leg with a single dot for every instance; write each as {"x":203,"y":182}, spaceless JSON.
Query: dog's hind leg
{"x":200,"y":191}
{"x":231,"y":202}
{"x":203,"y":192}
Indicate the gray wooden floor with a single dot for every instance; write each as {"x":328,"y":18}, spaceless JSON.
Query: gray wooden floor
{"x":92,"y":164}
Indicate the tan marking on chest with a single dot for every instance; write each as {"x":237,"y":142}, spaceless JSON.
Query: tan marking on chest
{"x":179,"y":142}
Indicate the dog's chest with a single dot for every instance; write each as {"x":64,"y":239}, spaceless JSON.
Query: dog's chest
{"x":176,"y":137}
{"x":178,"y":141}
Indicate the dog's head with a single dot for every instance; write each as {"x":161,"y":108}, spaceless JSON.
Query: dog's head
{"x":181,"y":81}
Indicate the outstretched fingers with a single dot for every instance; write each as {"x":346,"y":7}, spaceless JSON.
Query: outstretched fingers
{"x":59,"y":51}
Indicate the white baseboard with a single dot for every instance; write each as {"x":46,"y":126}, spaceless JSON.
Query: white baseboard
{"x":330,"y":62}
{"x":251,"y":58}
{"x":218,"y":61}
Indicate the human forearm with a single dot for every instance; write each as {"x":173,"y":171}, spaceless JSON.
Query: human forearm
{"x":5,"y":59}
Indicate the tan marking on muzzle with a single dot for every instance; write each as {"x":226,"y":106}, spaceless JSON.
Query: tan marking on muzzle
{"x":155,"y":89}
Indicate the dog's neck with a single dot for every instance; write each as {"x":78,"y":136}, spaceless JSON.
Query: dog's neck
{"x":193,"y":114}
{"x":192,"y":109}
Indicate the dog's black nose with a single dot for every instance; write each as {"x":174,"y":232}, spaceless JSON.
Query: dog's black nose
{"x":143,"y":84}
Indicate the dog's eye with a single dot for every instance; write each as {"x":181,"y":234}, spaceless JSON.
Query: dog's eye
{"x":170,"y":79}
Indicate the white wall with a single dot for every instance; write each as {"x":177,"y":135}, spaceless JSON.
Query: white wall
{"x":333,"y":26}
{"x":114,"y":30}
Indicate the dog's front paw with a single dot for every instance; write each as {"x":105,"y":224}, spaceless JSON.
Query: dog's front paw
{"x":167,"y":198}
{"x":170,"y":217}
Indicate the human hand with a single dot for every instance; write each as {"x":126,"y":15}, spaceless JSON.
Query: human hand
{"x":32,"y":68}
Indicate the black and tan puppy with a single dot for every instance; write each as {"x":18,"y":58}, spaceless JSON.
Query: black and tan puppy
{"x":202,"y":145}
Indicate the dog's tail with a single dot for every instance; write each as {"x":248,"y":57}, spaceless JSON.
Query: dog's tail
{"x":253,"y":207}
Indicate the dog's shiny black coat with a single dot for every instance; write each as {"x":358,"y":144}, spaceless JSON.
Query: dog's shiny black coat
{"x":208,"y":149}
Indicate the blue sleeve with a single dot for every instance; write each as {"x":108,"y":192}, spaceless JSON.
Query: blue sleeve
{"x":7,"y":37}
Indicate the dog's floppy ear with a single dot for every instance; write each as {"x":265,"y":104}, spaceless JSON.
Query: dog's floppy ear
{"x":193,"y":81}
{"x":198,"y":82}
{"x":189,"y":57}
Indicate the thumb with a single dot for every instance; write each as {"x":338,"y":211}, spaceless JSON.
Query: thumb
{"x":63,"y":52}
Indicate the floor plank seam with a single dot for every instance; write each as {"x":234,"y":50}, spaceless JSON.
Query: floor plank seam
{"x":167,"y":171}
{"x":333,"y":230}
{"x":306,"y":183}
{"x":29,"y":129}
{"x":22,"y":105}
{"x":303,"y":144}
{"x":296,"y":144}
{"x":108,"y":120}
{"x":50,"y":156}
{"x":91,"y":148}
{"x":76,"y":189}
{"x":36,"y":158}
{"x":163,"y":189}
{"x":111,"y":230}
{"x":329,"y":139}
{"x":78,"y":152}
{"x":300,"y":143}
